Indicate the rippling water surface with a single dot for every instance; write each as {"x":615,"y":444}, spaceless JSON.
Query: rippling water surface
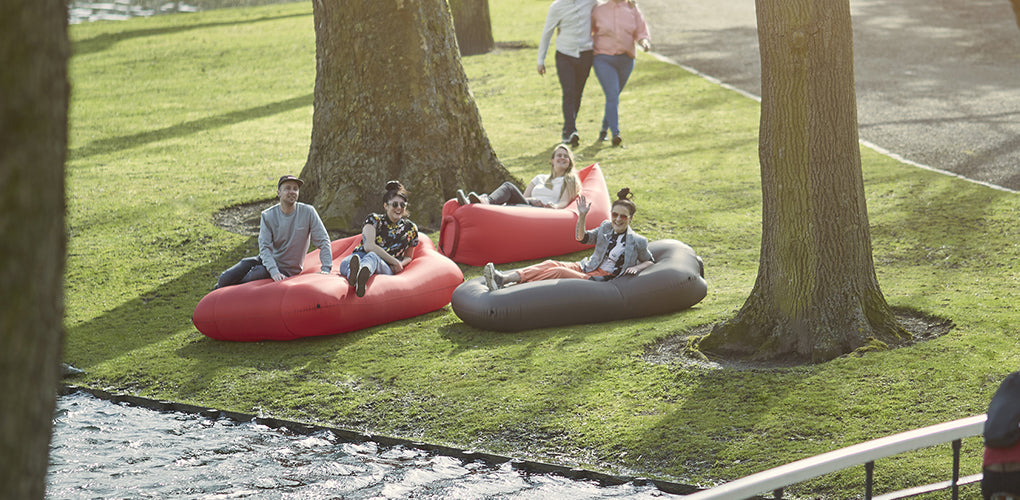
{"x":107,"y":450}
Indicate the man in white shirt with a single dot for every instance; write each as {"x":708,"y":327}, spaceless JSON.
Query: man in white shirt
{"x":573,"y":56}
{"x":285,"y":231}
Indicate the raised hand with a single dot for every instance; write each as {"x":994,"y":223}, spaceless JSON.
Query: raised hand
{"x":583,"y":206}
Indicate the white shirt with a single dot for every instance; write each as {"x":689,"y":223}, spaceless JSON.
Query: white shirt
{"x":573,"y":17}
{"x":614,"y":255}
{"x":547,"y":195}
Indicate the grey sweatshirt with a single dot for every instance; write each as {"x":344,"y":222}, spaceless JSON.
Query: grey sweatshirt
{"x":284,"y":239}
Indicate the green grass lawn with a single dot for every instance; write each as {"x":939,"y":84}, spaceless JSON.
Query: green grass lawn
{"x":176,"y":117}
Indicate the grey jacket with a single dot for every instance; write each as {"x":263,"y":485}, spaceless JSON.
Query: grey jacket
{"x":635,"y":248}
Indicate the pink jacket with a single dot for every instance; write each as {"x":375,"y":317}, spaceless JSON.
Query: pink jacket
{"x":616,"y":26}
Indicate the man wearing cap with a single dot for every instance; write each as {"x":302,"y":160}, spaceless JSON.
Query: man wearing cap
{"x":285,"y":231}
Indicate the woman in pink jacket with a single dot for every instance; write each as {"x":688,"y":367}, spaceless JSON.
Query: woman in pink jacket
{"x":616,"y":25}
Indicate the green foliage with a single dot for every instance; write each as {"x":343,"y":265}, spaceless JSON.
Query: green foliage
{"x":176,"y":117}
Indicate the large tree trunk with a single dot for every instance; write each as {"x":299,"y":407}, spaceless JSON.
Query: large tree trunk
{"x":34,"y":96}
{"x":474,"y":29}
{"x":816,"y":296}
{"x":391,"y":102}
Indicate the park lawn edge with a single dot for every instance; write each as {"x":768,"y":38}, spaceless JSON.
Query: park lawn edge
{"x":220,"y":105}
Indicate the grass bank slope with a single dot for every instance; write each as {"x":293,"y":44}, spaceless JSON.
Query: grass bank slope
{"x":175,"y":118}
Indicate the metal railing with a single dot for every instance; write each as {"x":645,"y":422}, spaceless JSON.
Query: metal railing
{"x":866,"y":453}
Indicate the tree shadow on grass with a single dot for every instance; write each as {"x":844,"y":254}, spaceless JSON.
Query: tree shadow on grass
{"x":148,"y":319}
{"x":103,"y":42}
{"x":109,"y":145}
{"x":162,"y":315}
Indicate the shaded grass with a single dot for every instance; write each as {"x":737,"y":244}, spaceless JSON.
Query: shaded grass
{"x":176,"y":117}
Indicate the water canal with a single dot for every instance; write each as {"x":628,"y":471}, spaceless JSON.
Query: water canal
{"x":103,"y":449}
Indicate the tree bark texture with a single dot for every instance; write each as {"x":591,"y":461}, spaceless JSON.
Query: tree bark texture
{"x":34,"y":93}
{"x":473,"y":26}
{"x":816,"y":296}
{"x":392,"y":102}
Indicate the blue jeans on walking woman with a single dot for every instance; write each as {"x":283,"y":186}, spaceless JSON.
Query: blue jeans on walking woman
{"x":612,"y":72}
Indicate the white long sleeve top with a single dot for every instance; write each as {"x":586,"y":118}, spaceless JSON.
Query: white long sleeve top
{"x":573,"y":17}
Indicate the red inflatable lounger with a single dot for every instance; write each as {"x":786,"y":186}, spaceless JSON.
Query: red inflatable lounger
{"x":476,"y":234}
{"x":312,"y":304}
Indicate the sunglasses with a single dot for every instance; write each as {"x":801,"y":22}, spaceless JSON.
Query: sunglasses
{"x":620,"y":216}
{"x":398,"y":204}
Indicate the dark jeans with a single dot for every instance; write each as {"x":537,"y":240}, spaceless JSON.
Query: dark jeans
{"x":248,"y":269}
{"x":507,"y":194}
{"x":573,"y":73}
{"x":1000,"y":482}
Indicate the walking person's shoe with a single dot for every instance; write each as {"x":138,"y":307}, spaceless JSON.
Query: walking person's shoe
{"x":359,"y":287}
{"x":617,"y":140}
{"x":462,"y":198}
{"x":602,"y":135}
{"x":574,"y":140}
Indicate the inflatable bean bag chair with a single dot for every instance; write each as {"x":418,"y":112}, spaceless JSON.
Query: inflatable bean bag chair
{"x":674,"y":283}
{"x":316,"y":304}
{"x":476,"y":234}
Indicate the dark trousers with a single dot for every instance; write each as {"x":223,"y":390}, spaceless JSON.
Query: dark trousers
{"x":507,"y":194}
{"x":573,"y":73}
{"x":248,"y":269}
{"x":1000,"y":482}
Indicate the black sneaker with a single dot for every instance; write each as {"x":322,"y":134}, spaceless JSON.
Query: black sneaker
{"x":575,"y":140}
{"x":478,"y":198}
{"x":359,"y":287}
{"x":602,"y":135}
{"x":352,"y":269}
{"x":617,"y":140}
{"x":462,"y":198}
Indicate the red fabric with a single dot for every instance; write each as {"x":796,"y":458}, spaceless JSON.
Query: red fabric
{"x":1002,"y":455}
{"x":311,"y":304}
{"x":476,"y":234}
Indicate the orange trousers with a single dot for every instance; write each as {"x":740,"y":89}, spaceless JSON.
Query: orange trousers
{"x":554,"y":269}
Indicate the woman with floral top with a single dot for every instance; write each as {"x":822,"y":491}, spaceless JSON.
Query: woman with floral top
{"x":387,"y":241}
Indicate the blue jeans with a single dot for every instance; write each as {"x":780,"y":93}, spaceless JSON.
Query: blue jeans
{"x":373,"y":262}
{"x":613,"y":73}
{"x":248,"y":269}
{"x":573,"y":73}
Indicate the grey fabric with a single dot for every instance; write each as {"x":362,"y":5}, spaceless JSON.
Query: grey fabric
{"x":674,"y":283}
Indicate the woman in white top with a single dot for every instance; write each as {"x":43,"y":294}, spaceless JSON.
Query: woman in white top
{"x":553,"y":190}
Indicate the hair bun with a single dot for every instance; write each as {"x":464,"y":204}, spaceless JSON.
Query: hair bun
{"x":394,"y":186}
{"x":624,"y":194}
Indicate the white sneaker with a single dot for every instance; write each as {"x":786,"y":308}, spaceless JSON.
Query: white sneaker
{"x":489,"y":272}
